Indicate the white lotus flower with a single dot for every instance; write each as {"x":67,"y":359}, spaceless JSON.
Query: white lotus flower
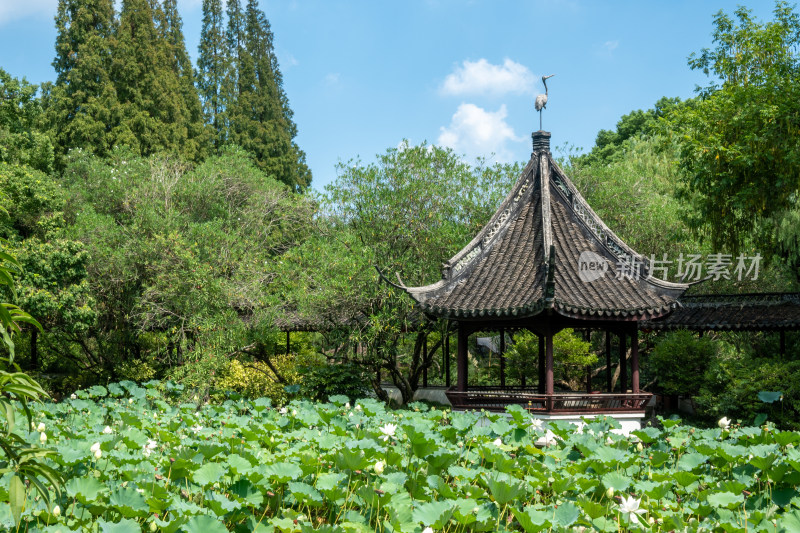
{"x":379,"y":467}
{"x":107,"y":430}
{"x":630,"y":506}
{"x":724,"y":423}
{"x":196,"y":428}
{"x":56,"y":510}
{"x":536,"y":423}
{"x":130,"y":400}
{"x":358,"y":407}
{"x":283,"y":411}
{"x":98,"y":453}
{"x":388,"y":431}
{"x":42,"y":437}
{"x":73,"y":396}
{"x":347,"y":406}
{"x":40,"y":427}
{"x":95,"y":447}
{"x":428,"y":529}
{"x":294,"y":412}
{"x":497,"y":442}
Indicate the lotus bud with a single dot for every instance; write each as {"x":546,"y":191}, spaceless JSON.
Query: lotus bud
{"x":379,"y":467}
{"x":42,"y":437}
{"x":40,"y":427}
{"x":56,"y":510}
{"x":98,"y":453}
{"x":639,"y":446}
{"x":724,"y":423}
{"x":153,"y":527}
{"x":610,"y":493}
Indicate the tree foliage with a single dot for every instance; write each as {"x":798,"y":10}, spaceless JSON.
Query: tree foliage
{"x":739,"y":139}
{"x":408,"y":211}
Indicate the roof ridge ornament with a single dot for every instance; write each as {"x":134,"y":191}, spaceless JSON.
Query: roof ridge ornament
{"x":541,"y":99}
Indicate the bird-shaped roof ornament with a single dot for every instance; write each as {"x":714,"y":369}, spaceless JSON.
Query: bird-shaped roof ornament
{"x":541,"y":100}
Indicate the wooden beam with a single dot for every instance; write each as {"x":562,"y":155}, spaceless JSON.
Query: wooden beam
{"x":461,"y":358}
{"x":635,"y":360}
{"x":608,"y":361}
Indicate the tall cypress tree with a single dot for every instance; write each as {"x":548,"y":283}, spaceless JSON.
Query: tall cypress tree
{"x":261,"y":120}
{"x":212,"y":68}
{"x":172,"y":31}
{"x":83,"y":105}
{"x":153,"y":116}
{"x":235,"y":37}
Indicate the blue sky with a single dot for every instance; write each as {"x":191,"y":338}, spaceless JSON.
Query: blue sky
{"x":361,"y":76}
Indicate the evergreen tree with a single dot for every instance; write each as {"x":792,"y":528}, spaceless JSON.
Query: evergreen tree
{"x":237,"y":55}
{"x":172,"y":32}
{"x":83,"y":105}
{"x":261,"y":120}
{"x":212,"y":68}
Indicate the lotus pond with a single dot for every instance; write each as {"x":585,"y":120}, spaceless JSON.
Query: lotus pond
{"x":135,"y":460}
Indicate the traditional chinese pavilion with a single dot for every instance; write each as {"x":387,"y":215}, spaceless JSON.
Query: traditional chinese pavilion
{"x":545,"y":262}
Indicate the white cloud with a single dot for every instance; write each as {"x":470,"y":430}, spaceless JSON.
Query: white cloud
{"x":482,"y":77}
{"x":332,"y":78}
{"x":476,"y":132}
{"x":606,"y":50}
{"x":11,"y":10}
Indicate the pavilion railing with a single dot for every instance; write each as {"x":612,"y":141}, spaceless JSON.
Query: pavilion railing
{"x":497,"y":398}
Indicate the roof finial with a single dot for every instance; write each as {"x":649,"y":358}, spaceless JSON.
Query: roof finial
{"x":541,"y":100}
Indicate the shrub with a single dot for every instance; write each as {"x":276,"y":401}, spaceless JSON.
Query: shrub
{"x":321,"y":382}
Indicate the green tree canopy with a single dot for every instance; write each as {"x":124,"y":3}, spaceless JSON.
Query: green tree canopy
{"x":739,"y":140}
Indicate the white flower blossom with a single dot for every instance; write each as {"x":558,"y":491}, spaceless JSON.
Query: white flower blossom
{"x":536,"y":423}
{"x":73,"y":396}
{"x":428,"y":529}
{"x":42,"y":437}
{"x":98,"y":453}
{"x":347,"y":406}
{"x":56,"y":510}
{"x":95,"y":447}
{"x":497,"y":442}
{"x":388,"y":431}
{"x":196,"y":428}
{"x":724,"y":423}
{"x":283,"y":411}
{"x":358,"y":407}
{"x":379,"y":466}
{"x":40,"y":427}
{"x":107,"y":430}
{"x":630,"y":506}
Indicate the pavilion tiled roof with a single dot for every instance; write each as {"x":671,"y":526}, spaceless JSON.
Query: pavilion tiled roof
{"x":528,"y":260}
{"x":733,"y":312}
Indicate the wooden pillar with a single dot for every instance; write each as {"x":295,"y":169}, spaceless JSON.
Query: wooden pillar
{"x":461,"y":358}
{"x":782,"y":344}
{"x":447,"y":359}
{"x":623,"y":365}
{"x":425,"y":363}
{"x":635,"y":359}
{"x":608,"y":362}
{"x":542,"y":378}
{"x":502,"y":357}
{"x":548,"y":351}
{"x":288,"y":343}
{"x":587,"y":336}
